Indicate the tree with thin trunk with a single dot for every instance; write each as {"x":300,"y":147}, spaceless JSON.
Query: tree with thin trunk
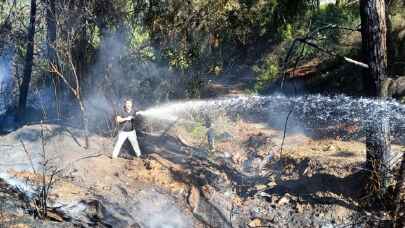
{"x":24,"y":87}
{"x":76,"y":90}
{"x":51,"y":31}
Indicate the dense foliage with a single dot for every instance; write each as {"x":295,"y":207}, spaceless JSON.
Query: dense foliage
{"x":162,"y":44}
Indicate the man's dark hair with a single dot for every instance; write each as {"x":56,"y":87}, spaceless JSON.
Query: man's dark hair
{"x":124,"y":101}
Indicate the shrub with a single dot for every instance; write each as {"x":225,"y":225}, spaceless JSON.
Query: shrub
{"x":266,"y":74}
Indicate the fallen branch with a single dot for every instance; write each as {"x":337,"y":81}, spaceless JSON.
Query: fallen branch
{"x":72,"y":135}
{"x":88,"y":156}
{"x":331,"y":53}
{"x":311,"y":36}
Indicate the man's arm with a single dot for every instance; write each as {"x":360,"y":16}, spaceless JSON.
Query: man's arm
{"x":120,"y":119}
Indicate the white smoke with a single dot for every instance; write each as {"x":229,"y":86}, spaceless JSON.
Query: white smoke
{"x":119,"y":73}
{"x":6,"y":81}
{"x":155,"y":210}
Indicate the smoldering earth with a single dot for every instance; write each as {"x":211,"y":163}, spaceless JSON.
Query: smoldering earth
{"x":148,"y":207}
{"x":153,"y":209}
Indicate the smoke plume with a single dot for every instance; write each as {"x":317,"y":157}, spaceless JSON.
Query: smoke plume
{"x":6,"y":81}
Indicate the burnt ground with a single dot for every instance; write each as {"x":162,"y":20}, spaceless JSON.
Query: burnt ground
{"x":245,"y":182}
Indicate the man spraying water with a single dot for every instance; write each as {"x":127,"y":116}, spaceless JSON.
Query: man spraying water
{"x":126,"y":124}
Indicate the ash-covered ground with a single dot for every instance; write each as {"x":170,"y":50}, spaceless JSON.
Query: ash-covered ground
{"x":244,"y":182}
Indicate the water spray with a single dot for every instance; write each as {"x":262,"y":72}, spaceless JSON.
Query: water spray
{"x":314,"y":109}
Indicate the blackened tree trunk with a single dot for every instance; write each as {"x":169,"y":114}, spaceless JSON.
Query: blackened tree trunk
{"x":374,"y":34}
{"x":391,"y":50}
{"x":51,"y":31}
{"x":24,"y":87}
{"x":51,"y":53}
{"x":374,"y":41}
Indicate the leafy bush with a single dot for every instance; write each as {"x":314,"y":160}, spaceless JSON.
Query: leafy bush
{"x":177,"y":59}
{"x":267,"y":73}
{"x":287,"y":32}
{"x":199,"y":131}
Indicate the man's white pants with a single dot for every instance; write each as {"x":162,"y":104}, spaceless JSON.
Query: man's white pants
{"x":132,"y":138}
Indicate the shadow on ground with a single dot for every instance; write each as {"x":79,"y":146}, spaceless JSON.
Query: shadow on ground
{"x":317,"y":189}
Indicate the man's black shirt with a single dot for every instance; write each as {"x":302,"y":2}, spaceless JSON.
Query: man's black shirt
{"x":128,"y":125}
